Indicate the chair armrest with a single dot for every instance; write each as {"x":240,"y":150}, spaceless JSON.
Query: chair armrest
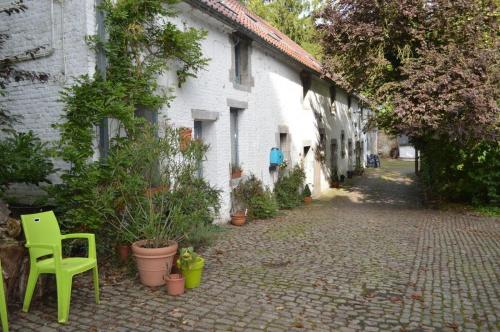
{"x":56,"y":251}
{"x":90,"y":238}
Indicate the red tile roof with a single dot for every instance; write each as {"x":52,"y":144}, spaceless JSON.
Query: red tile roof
{"x":238,"y":14}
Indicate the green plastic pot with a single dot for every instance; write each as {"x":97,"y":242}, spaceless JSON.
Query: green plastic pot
{"x":193,"y":275}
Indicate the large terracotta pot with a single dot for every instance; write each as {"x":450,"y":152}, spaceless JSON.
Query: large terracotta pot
{"x":238,"y":218}
{"x":307,"y":200}
{"x":153,"y":263}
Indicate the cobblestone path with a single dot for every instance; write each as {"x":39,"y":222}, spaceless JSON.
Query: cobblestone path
{"x":363,"y":258}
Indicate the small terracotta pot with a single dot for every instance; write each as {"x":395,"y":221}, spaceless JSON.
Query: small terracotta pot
{"x":153,"y":263}
{"x":308,"y":200}
{"x":123,"y":251}
{"x":185,"y":138}
{"x":335,"y":185}
{"x":175,"y":284}
{"x":236,"y":174}
{"x":238,"y":219}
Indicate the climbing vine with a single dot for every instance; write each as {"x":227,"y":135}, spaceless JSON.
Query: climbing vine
{"x":142,"y":43}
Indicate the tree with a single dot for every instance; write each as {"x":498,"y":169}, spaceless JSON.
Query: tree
{"x":431,"y":68}
{"x":431,"y":65}
{"x":293,"y":18}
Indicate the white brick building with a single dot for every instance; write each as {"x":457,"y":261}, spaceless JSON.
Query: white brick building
{"x":258,"y":86}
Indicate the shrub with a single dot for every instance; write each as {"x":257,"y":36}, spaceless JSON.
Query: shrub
{"x":467,"y":174}
{"x":307,"y":191}
{"x":24,"y":159}
{"x":288,"y":188}
{"x":145,"y":189}
{"x":250,"y":194}
{"x":263,"y":206}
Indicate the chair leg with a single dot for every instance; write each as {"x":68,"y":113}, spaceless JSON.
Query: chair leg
{"x":64,"y":298}
{"x":30,"y":288}
{"x":3,"y":306}
{"x":95,"y":277}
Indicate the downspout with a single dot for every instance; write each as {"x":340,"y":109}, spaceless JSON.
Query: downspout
{"x":101,"y":69}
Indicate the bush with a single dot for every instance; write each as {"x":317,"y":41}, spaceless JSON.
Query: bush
{"x":307,"y":191}
{"x":146,"y":189}
{"x":24,"y":159}
{"x":263,"y":206}
{"x":288,"y":188}
{"x":466,"y":174}
{"x":250,"y":194}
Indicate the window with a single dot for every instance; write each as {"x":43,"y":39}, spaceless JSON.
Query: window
{"x":333,"y":96}
{"x":349,"y":149}
{"x":305,"y":78}
{"x":285,"y":146}
{"x":240,"y":71}
{"x":198,"y":135}
{"x":342,"y":144}
{"x":333,"y":154}
{"x":237,"y":62}
{"x":235,"y":158}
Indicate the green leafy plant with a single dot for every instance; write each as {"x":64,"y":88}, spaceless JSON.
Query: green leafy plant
{"x":288,"y":188}
{"x":334,"y":177}
{"x":187,"y":258}
{"x":130,"y":192}
{"x":250,"y":194}
{"x":141,"y":44}
{"x":24,"y":159}
{"x":306,"y":192}
{"x":263,"y":206}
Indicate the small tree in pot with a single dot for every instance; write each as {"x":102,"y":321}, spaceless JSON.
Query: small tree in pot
{"x":155,"y":220}
{"x":307,"y":195}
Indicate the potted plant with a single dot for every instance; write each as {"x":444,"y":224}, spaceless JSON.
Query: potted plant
{"x":238,"y":218}
{"x":191,"y":265}
{"x":236,"y":171}
{"x":175,"y":284}
{"x":185,"y":135}
{"x":334,"y":179}
{"x":122,"y":251}
{"x":154,"y":252}
{"x":307,"y":195}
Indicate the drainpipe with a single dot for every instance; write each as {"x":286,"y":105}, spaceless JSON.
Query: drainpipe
{"x":101,"y":68}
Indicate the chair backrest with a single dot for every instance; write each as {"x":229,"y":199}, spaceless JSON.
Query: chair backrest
{"x":41,"y":228}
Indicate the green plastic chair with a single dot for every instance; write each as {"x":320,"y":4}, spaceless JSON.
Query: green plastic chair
{"x":43,"y":238}
{"x":3,"y":304}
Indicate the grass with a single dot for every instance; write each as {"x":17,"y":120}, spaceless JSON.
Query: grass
{"x":488,"y":211}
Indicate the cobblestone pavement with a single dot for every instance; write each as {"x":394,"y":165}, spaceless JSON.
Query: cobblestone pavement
{"x":363,"y":258}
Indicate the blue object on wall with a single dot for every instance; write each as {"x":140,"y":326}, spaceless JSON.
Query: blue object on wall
{"x":276,"y":157}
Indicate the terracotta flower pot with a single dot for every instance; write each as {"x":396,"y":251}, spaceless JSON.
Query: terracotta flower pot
{"x":123,"y":251}
{"x":175,"y":284}
{"x":308,"y":200}
{"x":185,"y":138}
{"x":236,"y":174}
{"x":238,"y":218}
{"x":153,"y":263}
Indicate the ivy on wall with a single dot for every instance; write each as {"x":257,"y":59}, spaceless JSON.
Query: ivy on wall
{"x":142,"y":43}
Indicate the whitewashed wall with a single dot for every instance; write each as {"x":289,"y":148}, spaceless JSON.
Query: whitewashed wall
{"x":274,"y":101}
{"x":67,"y":56}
